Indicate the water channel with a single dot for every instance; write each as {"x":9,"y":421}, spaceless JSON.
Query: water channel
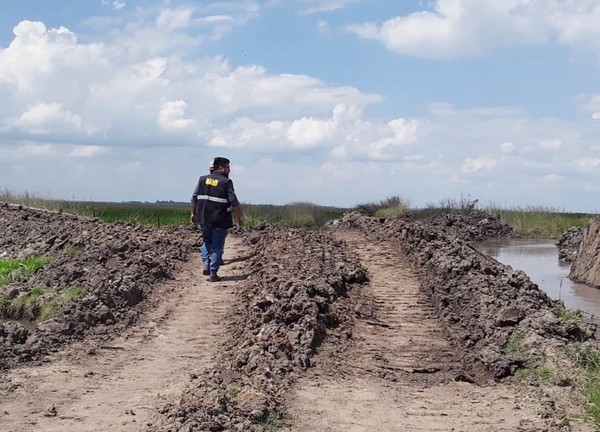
{"x":539,"y":260}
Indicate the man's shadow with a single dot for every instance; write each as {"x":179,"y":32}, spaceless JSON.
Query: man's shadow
{"x":236,"y":259}
{"x":233,"y":261}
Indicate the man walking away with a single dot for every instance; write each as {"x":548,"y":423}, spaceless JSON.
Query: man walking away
{"x":213,"y":202}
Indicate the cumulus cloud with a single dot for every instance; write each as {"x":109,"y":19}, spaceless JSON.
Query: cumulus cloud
{"x":308,"y":132}
{"x":46,"y":118}
{"x":172,"y":116}
{"x":465,"y":28}
{"x":60,"y":85}
{"x":345,"y":132}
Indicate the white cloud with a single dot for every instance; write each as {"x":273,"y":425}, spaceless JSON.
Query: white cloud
{"x":323,"y":27}
{"x":550,"y":144}
{"x":554,"y":178}
{"x":130,"y":168}
{"x":588,"y":164}
{"x":346,"y":133}
{"x":507,"y":147}
{"x":318,"y":6}
{"x":172,"y":116}
{"x":87,"y":151}
{"x":307,"y":132}
{"x":127,"y":98}
{"x":46,"y":118}
{"x":28,"y":150}
{"x":174,"y":19}
{"x":464,"y":28}
{"x":482,"y":163}
{"x":118,"y":4}
{"x":596,"y":116}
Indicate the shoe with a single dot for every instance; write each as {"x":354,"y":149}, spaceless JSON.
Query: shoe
{"x":205,"y":269}
{"x":214,"y":278}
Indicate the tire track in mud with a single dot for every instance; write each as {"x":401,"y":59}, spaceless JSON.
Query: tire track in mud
{"x":118,"y":384}
{"x":399,"y":374}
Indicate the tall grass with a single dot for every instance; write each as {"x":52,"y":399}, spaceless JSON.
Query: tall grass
{"x":587,"y":358}
{"x":294,"y":215}
{"x":546,"y":222}
{"x":463,"y":204}
{"x":390,"y":207}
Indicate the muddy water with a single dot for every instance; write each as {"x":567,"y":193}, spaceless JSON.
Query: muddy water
{"x":539,"y":260}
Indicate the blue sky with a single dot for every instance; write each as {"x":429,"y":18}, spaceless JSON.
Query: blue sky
{"x":335,"y":102}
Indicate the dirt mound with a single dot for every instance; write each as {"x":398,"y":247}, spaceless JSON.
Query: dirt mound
{"x":295,"y":296}
{"x":473,"y":226}
{"x":586,"y":265}
{"x":486,"y":307}
{"x":115,"y":264}
{"x":568,"y":244}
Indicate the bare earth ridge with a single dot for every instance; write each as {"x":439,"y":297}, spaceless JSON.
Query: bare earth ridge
{"x":400,"y":373}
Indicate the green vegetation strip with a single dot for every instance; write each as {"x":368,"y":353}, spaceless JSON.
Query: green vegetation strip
{"x":19,"y":269}
{"x":545,"y":222}
{"x":588,"y":359}
{"x":39,"y":304}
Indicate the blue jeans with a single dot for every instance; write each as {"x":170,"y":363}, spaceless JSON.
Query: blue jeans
{"x":213,"y":242}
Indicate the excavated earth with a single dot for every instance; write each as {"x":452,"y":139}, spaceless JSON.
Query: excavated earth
{"x":368,"y":324}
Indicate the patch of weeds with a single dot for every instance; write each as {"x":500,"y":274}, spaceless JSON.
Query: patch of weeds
{"x":514,"y":345}
{"x":5,"y":302}
{"x":25,"y":306}
{"x":49,"y":308}
{"x":74,"y":250}
{"x":275,"y":421}
{"x":232,"y":393}
{"x":571,"y":319}
{"x":534,"y":374}
{"x":587,"y":358}
{"x":71,"y":293}
{"x":12,"y":270}
{"x":39,"y":304}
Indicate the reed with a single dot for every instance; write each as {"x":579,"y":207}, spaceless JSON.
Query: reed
{"x":293,"y":215}
{"x":587,"y":358}
{"x":545,"y":222}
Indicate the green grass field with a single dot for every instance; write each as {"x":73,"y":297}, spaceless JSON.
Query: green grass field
{"x":544,"y":222}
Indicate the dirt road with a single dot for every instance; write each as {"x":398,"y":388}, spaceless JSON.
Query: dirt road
{"x":400,"y":375}
{"x":118,"y":385}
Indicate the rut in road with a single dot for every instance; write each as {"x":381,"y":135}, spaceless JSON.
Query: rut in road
{"x":118,"y":385}
{"x":399,"y":375}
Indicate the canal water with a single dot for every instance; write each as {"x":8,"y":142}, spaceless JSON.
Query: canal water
{"x":539,"y":260}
